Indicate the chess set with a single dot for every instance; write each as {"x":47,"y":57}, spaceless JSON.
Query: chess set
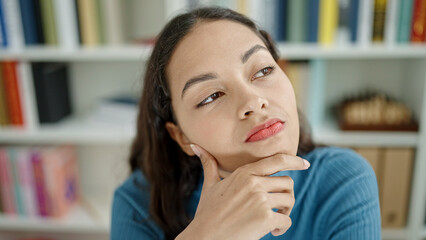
{"x":375,"y":112}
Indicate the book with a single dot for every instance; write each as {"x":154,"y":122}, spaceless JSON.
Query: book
{"x":297,"y":21}
{"x":328,"y":19}
{"x":61,"y":179}
{"x":6,"y":182}
{"x":66,"y":24}
{"x":27,"y":95}
{"x":100,"y":25}
{"x":12,"y":88}
{"x":353,"y":20}
{"x":15,"y":186}
{"x":49,"y":25}
{"x":40,"y":188}
{"x":379,"y":20}
{"x":13,"y":24}
{"x":404,"y":21}
{"x":29,"y":22}
{"x":113,"y":21}
{"x":4,"y":116}
{"x":26,"y":181}
{"x":397,"y":174}
{"x":419,"y":22}
{"x":391,"y":22}
{"x":365,"y":22}
{"x":312,"y":21}
{"x":87,"y":13}
{"x":343,"y":33}
{"x":119,"y":110}
{"x":3,"y":34}
{"x":52,"y":91}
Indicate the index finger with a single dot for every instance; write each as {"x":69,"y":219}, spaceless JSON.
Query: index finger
{"x":276,"y":163}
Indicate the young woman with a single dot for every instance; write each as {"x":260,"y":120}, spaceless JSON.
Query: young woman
{"x":220,"y":153}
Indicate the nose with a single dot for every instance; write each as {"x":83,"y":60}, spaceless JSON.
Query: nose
{"x":252,"y":103}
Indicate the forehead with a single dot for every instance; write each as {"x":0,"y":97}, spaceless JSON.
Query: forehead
{"x":210,"y":45}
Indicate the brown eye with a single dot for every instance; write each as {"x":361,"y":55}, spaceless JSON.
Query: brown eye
{"x":263,"y":72}
{"x":210,"y":99}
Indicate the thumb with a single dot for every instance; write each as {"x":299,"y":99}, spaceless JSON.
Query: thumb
{"x":211,"y":172}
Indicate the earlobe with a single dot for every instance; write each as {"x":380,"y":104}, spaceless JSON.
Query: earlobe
{"x":180,"y":138}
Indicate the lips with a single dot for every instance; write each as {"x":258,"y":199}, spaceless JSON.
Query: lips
{"x":265,"y":130}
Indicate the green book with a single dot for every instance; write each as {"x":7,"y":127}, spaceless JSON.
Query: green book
{"x":297,"y":20}
{"x":100,"y":25}
{"x":404,"y":21}
{"x":48,"y":21}
{"x":3,"y":111}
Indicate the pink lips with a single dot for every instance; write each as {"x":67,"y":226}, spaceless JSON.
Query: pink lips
{"x":265,"y":130}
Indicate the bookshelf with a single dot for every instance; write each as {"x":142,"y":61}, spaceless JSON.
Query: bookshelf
{"x":103,"y":149}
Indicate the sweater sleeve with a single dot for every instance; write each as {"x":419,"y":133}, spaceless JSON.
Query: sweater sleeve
{"x":351,"y":207}
{"x":129,"y":218}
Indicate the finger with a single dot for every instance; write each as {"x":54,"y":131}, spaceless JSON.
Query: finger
{"x":280,"y":223}
{"x":277,"y":183}
{"x":284,"y":202}
{"x":276,"y":163}
{"x":211,"y":172}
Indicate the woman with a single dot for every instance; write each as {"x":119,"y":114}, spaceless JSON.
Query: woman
{"x":220,"y":153}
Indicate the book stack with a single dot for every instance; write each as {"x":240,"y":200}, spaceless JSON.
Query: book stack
{"x":336,"y":21}
{"x":393,"y":168}
{"x":38,"y":181}
{"x":63,"y":23}
{"x":52,"y":97}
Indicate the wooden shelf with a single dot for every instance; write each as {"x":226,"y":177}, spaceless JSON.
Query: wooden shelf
{"x":142,"y":52}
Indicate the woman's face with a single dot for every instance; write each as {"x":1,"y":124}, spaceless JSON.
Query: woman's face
{"x":224,"y":83}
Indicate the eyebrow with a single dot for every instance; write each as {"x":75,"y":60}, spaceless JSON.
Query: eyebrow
{"x":210,"y":76}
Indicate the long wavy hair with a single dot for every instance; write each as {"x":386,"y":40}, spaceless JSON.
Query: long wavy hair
{"x":172,"y":174}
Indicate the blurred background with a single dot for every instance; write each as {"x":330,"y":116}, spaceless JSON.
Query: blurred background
{"x":71,"y":75}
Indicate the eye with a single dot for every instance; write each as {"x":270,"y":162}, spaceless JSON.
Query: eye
{"x":263,"y":72}
{"x":210,"y":99}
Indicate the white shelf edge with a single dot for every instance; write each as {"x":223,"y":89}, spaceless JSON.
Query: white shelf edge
{"x":142,"y":52}
{"x":394,"y":233}
{"x":73,"y":130}
{"x":77,"y":220}
{"x":309,"y":51}
{"x":98,"y":53}
{"x":329,"y":134}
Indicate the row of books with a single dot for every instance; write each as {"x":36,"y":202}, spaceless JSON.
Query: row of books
{"x":393,"y":168}
{"x":335,"y":21}
{"x":64,"y":23}
{"x":50,"y":82}
{"x":38,"y":181}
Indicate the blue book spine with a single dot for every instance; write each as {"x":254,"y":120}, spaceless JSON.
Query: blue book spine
{"x":281,"y":20}
{"x":312,"y":22}
{"x":405,"y":21}
{"x":29,"y":21}
{"x":4,"y":42}
{"x":353,"y":19}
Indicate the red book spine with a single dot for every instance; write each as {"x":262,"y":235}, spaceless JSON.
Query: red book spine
{"x":418,"y":23}
{"x":11,"y":88}
{"x":40,"y":189}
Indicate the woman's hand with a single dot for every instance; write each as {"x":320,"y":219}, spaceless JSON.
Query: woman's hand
{"x":240,"y":206}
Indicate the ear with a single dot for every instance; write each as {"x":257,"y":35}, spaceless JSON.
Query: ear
{"x":176,"y":134}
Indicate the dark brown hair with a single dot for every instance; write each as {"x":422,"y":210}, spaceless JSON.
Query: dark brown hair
{"x":171,"y":173}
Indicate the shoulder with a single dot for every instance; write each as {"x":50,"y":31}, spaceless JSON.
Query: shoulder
{"x":337,"y":162}
{"x":130,"y":209}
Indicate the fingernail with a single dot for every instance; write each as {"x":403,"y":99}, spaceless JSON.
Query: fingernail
{"x":306,"y":163}
{"x":195,"y":150}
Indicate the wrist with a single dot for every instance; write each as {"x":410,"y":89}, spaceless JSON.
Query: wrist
{"x":190,"y":232}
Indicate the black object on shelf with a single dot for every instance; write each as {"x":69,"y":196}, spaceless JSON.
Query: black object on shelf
{"x":52,"y":91}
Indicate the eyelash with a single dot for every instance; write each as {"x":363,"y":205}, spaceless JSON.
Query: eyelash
{"x":203,"y":103}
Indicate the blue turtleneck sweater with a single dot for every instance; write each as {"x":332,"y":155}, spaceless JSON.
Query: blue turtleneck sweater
{"x":336,"y":198}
